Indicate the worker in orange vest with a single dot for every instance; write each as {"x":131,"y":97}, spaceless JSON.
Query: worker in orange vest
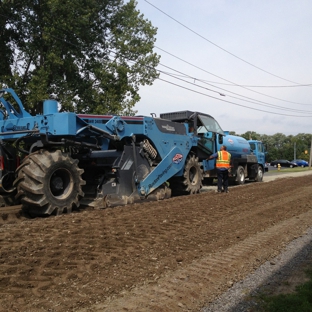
{"x":222,"y":166}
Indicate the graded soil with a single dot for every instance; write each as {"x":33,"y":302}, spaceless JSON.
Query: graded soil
{"x":173,"y":255}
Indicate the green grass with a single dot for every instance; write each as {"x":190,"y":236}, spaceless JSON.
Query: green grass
{"x":297,"y":169}
{"x":299,"y":301}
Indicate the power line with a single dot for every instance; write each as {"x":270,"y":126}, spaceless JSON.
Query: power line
{"x":248,"y":86}
{"x":261,"y":110}
{"x":241,"y":99}
{"x":232,"y":54}
{"x":259,"y":86}
{"x":250,"y":100}
{"x":195,"y":66}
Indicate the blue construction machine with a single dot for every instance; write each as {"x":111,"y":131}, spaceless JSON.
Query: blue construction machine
{"x":55,"y":161}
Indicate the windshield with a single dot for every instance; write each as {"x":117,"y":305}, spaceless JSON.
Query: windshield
{"x":208,"y":124}
{"x":252,"y":146}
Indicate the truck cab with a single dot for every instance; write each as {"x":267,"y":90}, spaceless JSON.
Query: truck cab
{"x":258,"y":149}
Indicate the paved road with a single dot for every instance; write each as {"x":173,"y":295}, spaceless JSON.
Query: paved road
{"x":268,"y":176}
{"x":273,"y":175}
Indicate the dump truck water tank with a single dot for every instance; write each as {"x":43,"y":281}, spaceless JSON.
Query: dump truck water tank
{"x":236,"y":145}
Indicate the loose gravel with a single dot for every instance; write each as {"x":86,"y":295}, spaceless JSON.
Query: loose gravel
{"x":244,"y":295}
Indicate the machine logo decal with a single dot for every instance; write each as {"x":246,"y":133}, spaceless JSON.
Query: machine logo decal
{"x":177,"y":158}
{"x":230,"y":141}
{"x":168,"y":128}
{"x":159,"y":176}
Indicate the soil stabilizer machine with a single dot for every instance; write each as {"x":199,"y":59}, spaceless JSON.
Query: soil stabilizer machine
{"x":54,"y":161}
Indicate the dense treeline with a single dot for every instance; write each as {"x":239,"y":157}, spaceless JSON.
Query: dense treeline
{"x":92,"y":55}
{"x":280,"y":146}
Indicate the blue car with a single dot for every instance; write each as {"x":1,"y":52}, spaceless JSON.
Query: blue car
{"x":301,"y":162}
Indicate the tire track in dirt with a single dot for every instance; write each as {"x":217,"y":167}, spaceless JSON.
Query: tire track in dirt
{"x":10,"y":214}
{"x":82,"y":261}
{"x":182,"y":290}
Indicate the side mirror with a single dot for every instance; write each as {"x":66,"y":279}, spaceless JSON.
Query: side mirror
{"x":220,"y":139}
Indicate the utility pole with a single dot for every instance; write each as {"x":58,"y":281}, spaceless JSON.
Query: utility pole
{"x":295,"y":156}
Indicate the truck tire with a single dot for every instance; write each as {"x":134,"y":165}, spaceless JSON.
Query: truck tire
{"x":49,"y":183}
{"x":240,"y":175}
{"x":259,"y":177}
{"x":193,"y":175}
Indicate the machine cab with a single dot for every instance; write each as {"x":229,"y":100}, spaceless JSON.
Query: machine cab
{"x":203,"y":127}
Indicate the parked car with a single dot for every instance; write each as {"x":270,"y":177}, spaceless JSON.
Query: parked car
{"x":283,"y":163}
{"x":301,"y":162}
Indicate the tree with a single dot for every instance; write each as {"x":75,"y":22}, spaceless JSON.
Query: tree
{"x":302,"y":144}
{"x":251,"y":135}
{"x":92,"y":54}
{"x":6,"y":37}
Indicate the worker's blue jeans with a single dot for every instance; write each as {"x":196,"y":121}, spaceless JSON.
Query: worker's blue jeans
{"x":223,"y":179}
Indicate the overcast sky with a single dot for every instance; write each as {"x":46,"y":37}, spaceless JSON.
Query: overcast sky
{"x":249,"y":59}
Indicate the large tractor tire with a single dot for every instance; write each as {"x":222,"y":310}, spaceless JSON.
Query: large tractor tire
{"x":49,"y":183}
{"x":193,"y":175}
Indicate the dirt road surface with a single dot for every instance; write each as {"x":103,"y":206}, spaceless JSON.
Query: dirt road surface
{"x":173,"y":255}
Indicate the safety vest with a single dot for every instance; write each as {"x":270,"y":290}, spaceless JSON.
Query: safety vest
{"x":223,"y":160}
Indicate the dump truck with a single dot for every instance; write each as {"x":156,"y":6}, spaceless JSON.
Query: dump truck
{"x":55,"y":161}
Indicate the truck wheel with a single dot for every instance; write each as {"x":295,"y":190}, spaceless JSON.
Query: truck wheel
{"x":193,"y":175}
{"x":49,"y":182}
{"x":240,"y":176}
{"x":259,"y":176}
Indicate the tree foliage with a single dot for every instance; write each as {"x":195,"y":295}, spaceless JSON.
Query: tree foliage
{"x":92,"y":54}
{"x":280,"y":146}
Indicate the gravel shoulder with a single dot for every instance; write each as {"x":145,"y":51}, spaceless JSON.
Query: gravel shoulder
{"x":279,"y":275}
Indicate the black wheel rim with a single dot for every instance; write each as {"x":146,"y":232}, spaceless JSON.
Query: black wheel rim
{"x":61,"y":183}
